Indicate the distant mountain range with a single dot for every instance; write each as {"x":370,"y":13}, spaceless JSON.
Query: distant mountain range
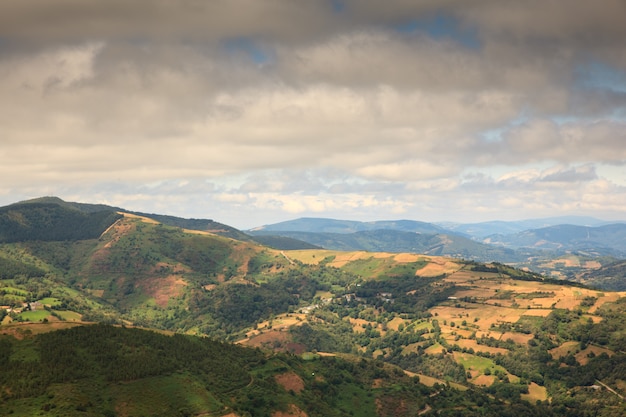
{"x":600,"y":240}
{"x":347,"y":326}
{"x":481,"y":241}
{"x":320,"y":225}
{"x":540,"y":249}
{"x":484,"y":229}
{"x":390,"y":240}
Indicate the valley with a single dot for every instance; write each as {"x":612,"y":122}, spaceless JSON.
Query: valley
{"x":490,"y":332}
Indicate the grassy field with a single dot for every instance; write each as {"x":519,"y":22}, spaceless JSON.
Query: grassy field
{"x":50,"y":301}
{"x":69,"y":315}
{"x":37,"y":315}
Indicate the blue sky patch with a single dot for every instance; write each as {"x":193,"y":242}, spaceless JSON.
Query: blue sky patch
{"x":600,"y":75}
{"x":248,"y":47}
{"x":442,"y":26}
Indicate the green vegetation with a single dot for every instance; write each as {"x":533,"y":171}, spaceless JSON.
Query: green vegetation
{"x":105,"y":371}
{"x":51,"y":222}
{"x":502,"y":334}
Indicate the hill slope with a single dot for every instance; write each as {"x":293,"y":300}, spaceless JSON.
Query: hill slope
{"x":52,"y":221}
{"x":320,"y":225}
{"x":602,"y":240}
{"x":487,"y":328}
{"x":99,"y":370}
{"x":386,"y":240}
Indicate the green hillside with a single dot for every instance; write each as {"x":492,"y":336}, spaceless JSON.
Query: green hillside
{"x":50,"y":221}
{"x":506,"y":336}
{"x":385,"y":240}
{"x":99,"y":370}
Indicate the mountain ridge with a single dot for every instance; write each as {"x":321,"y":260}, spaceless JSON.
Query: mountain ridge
{"x":506,"y":336}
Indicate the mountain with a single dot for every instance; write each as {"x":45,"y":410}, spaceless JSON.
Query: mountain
{"x":484,"y":338}
{"x":319,"y":225}
{"x":283,"y":242}
{"x":49,"y":220}
{"x":602,"y":240}
{"x":484,"y":229}
{"x":100,"y":370}
{"x":388,"y":240}
{"x":72,"y":211}
{"x":610,"y":277}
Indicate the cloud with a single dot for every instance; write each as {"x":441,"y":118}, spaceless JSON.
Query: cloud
{"x":301,"y":107}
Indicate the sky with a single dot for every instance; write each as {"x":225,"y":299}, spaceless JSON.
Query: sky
{"x":251,"y":112}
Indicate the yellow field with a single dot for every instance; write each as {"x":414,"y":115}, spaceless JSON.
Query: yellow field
{"x":395,"y":323}
{"x":20,"y":330}
{"x":281,"y":322}
{"x":315,"y":256}
{"x":519,"y":338}
{"x":437,"y":266}
{"x":564,"y":350}
{"x":535,"y":393}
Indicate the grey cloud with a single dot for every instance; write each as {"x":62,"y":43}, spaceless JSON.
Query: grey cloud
{"x":576,"y":174}
{"x":569,"y":142}
{"x":346,"y":110}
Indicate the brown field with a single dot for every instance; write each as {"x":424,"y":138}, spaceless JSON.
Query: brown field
{"x":519,"y":338}
{"x":461,"y":332}
{"x":280,"y":322}
{"x":97,"y":293}
{"x":142,"y":218}
{"x":479,"y":292}
{"x":411,"y":348}
{"x":21,"y":330}
{"x":486,"y":314}
{"x":267,"y":338}
{"x":595,"y":319}
{"x":565,"y":349}
{"x":438,"y":266}
{"x":467,"y":343}
{"x":406,"y":257}
{"x":290,"y":381}
{"x":583,"y":358}
{"x":314,"y":256}
{"x":537,"y":312}
{"x":425,"y":379}
{"x":434,"y":349}
{"x":484,"y":380}
{"x":395,"y":323}
{"x":309,"y":257}
{"x":608,"y":297}
{"x":293,"y":411}
{"x":162,"y":289}
{"x":469,"y":277}
{"x":357,"y":324}
{"x":489,"y":333}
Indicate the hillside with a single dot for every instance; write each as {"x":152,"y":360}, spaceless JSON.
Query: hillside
{"x":600,"y":241}
{"x":565,"y":251}
{"x":88,"y":210}
{"x":51,"y":221}
{"x":387,"y":240}
{"x":482,"y":230}
{"x":99,"y":370}
{"x":611,"y":276}
{"x":320,"y":225}
{"x":504,"y":335}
